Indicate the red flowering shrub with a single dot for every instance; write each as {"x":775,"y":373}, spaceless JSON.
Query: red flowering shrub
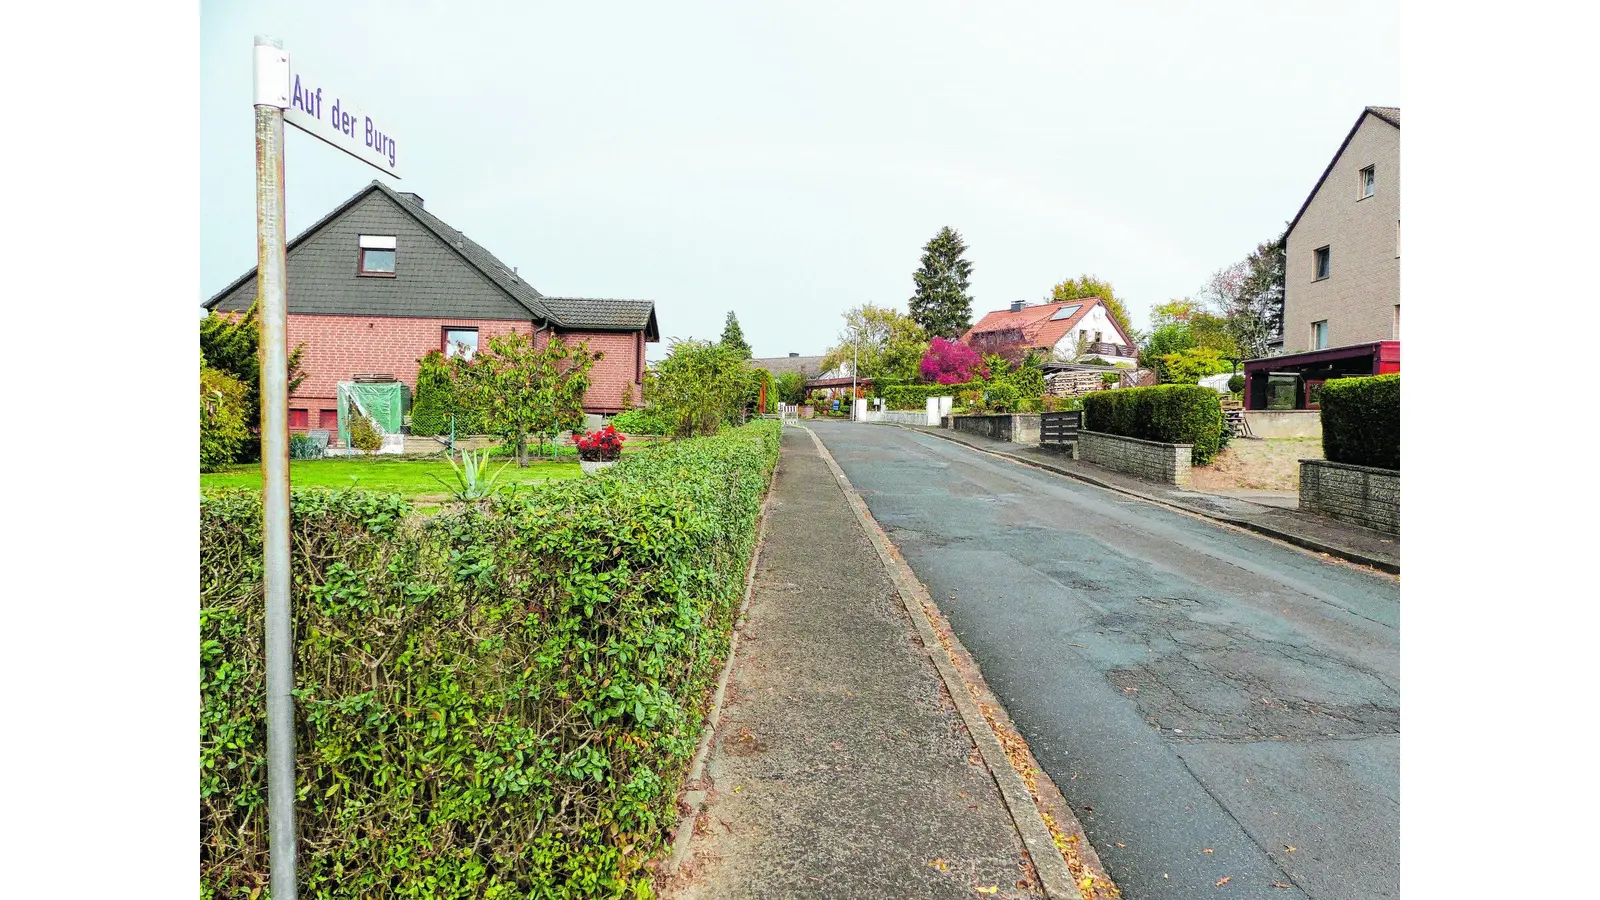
{"x":950,"y":362}
{"x":600,"y":446}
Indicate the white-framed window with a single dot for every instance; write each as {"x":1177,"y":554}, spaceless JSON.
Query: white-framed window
{"x":376,"y":255}
{"x":1324,"y":263}
{"x":461,"y":342}
{"x":1319,"y":335}
{"x":1367,"y":182}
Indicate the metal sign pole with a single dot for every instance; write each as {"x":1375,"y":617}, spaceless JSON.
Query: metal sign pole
{"x":271,"y":98}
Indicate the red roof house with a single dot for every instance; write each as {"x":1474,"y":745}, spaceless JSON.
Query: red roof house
{"x":1067,"y":330}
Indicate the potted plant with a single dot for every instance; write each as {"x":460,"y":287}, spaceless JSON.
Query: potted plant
{"x":599,"y":449}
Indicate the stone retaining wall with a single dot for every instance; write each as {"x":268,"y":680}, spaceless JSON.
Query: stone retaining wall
{"x":1165,"y":463}
{"x":1018,"y":428}
{"x":1358,"y":494}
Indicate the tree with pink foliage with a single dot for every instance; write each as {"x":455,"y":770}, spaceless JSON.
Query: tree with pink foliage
{"x":950,"y":362}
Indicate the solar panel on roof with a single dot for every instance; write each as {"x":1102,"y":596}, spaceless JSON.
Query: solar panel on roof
{"x":1066,"y":312}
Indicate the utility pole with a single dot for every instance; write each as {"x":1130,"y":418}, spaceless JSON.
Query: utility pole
{"x":271,"y":72}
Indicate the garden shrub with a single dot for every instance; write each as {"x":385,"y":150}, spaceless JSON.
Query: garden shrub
{"x":364,"y":434}
{"x":1001,"y":396}
{"x":1168,"y":413}
{"x":224,"y":405}
{"x":1236,"y":384}
{"x":495,"y":702}
{"x":1361,"y":421}
{"x":640,"y":421}
{"x":301,"y":446}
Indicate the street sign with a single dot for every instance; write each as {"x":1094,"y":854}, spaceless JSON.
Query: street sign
{"x":282,"y":94}
{"x":322,"y":112}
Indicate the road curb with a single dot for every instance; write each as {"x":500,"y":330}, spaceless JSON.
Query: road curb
{"x":1300,"y":541}
{"x":694,"y":800}
{"x":1051,"y":868}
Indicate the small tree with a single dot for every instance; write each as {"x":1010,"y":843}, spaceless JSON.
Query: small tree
{"x":523,"y":391}
{"x":887,"y":343}
{"x":733,"y":337}
{"x":698,"y":388}
{"x":1085,"y":286}
{"x":792,"y":387}
{"x":942,"y":304}
{"x":230,"y":343}
{"x":1191,"y":364}
{"x":950,"y":362}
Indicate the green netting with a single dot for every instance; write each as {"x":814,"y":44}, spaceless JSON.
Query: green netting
{"x":383,"y":403}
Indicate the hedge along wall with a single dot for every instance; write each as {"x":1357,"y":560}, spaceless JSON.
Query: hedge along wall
{"x":496,"y":702}
{"x":1167,"y":413}
{"x":1361,"y":421}
{"x":915,"y":396}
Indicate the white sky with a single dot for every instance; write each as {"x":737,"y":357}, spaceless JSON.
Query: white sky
{"x":788,"y":161}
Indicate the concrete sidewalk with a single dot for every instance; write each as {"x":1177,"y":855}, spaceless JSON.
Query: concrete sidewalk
{"x":1363,"y":546}
{"x":840,"y":766}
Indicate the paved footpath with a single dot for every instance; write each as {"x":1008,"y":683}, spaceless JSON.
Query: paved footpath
{"x":839,"y":766}
{"x":1222,"y":711}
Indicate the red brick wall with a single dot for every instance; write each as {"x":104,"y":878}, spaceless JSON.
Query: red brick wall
{"x":338,"y":347}
{"x":618,"y":370}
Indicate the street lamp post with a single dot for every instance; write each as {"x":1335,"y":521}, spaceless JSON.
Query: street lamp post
{"x":855,"y":364}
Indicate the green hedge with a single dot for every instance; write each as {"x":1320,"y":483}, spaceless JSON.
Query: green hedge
{"x":915,"y":396}
{"x":496,"y":702}
{"x":641,"y":421}
{"x":1361,"y":421}
{"x":1169,"y":413}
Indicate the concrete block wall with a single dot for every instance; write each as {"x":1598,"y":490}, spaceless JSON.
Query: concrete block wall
{"x":1018,"y":428}
{"x":894,"y":416}
{"x":1164,"y":463}
{"x":1357,"y":494}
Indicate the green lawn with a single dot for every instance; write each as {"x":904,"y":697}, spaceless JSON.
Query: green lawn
{"x":409,"y":477}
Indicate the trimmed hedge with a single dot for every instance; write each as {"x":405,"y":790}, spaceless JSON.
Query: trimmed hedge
{"x":497,"y":702}
{"x":915,"y":396}
{"x":1361,"y":421}
{"x":640,"y":421}
{"x":1168,"y":413}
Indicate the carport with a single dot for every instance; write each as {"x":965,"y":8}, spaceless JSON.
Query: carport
{"x":1295,"y":381}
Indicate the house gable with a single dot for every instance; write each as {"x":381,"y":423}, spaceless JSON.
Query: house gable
{"x":1386,"y":115}
{"x":432,"y":279}
{"x":1342,"y":251}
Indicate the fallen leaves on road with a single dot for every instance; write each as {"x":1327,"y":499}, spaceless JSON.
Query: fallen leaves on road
{"x":1289,"y":849}
{"x":991,"y":889}
{"x":939,"y":864}
{"x":1206,"y":850}
{"x":1279,"y":884}
{"x":1224,"y":880}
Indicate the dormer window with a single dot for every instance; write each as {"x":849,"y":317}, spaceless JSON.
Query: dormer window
{"x":377,"y":254}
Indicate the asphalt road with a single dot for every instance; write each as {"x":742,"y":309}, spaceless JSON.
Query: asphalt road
{"x":1205,"y":699}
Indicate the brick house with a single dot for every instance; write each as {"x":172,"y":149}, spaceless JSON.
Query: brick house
{"x":1341,"y":298}
{"x":380,"y":281}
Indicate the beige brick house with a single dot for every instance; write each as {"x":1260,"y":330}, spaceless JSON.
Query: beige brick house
{"x":1342,"y":258}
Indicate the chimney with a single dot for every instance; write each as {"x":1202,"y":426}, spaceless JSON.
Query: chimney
{"x":793,"y":355}
{"x":1017,"y":305}
{"x":413,"y":198}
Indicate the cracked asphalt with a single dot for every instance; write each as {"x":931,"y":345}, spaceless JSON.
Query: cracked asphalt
{"x":1213,"y":704}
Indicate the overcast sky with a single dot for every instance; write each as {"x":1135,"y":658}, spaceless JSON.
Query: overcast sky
{"x":788,"y":161}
